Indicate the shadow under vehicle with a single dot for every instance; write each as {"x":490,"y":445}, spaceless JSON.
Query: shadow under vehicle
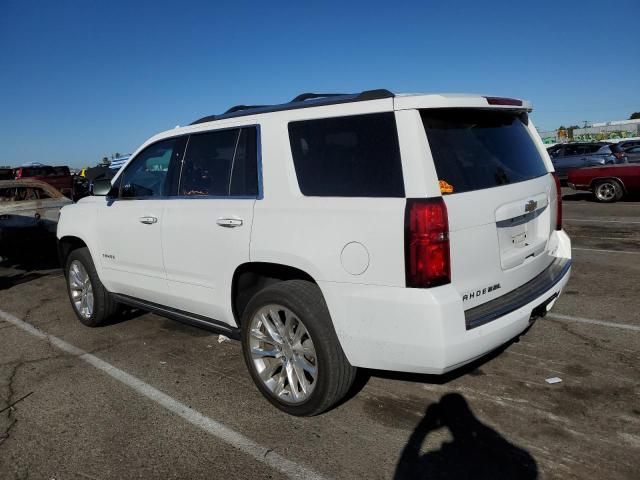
{"x":29,"y":212}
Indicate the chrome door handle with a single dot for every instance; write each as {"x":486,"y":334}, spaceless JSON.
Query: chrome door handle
{"x":229,"y":222}
{"x":149,"y":220}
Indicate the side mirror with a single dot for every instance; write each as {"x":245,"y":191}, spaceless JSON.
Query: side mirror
{"x":101,"y":187}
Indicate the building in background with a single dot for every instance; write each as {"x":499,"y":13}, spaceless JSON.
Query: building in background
{"x":608,"y":131}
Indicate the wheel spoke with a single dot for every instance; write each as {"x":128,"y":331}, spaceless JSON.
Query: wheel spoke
{"x":271,"y":369}
{"x":302,"y":379}
{"x":275,"y":317}
{"x":271,"y":329}
{"x":292,"y":380}
{"x":279,"y":388}
{"x":306,"y":365}
{"x":262,"y":337}
{"x":261,"y":352}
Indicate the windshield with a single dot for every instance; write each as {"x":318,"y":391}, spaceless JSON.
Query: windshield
{"x":475,"y":149}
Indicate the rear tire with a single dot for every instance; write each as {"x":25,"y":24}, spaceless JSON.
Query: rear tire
{"x":90,"y":301}
{"x":607,"y":191}
{"x":292,"y":351}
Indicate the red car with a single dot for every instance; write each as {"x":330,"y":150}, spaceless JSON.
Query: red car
{"x":57,"y":177}
{"x":608,"y":183}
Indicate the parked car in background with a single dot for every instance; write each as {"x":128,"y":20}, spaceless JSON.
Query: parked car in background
{"x":633,"y":153}
{"x":609,"y":183}
{"x":29,"y":210}
{"x":567,"y":156}
{"x":58,"y":177}
{"x":6,"y":174}
{"x":624,"y":144}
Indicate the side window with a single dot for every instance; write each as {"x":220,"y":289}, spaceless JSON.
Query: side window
{"x":220,"y":163}
{"x":146,"y":176}
{"x":41,"y":194}
{"x":355,"y":156}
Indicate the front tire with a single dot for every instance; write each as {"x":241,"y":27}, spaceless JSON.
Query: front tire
{"x":292,"y":351}
{"x":91,"y":302}
{"x":608,"y":191}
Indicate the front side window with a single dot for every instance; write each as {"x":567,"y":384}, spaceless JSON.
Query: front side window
{"x":146,"y":176}
{"x":355,"y":156}
{"x":221,"y":163}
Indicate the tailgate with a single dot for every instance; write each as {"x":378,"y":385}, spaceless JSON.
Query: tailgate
{"x":500,"y":198}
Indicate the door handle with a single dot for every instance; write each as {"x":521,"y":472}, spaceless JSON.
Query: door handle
{"x":229,"y":222}
{"x":149,"y":220}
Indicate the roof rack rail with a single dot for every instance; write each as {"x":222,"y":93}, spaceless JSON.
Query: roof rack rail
{"x":238,"y":108}
{"x":301,"y":101}
{"x":308,"y":96}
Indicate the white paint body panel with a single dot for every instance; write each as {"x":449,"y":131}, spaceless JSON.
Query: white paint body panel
{"x":187,"y":262}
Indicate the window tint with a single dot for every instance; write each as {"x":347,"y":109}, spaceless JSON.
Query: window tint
{"x":221,"y":163}
{"x":147,"y":173}
{"x":475,"y":149}
{"x":355,"y":156}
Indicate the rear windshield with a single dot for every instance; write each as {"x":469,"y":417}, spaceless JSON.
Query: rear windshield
{"x":475,"y":149}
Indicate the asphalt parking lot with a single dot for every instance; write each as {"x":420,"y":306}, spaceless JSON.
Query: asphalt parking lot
{"x":150,"y":398}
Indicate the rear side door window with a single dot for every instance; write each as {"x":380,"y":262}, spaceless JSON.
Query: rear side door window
{"x":221,"y":163}
{"x":355,"y":156}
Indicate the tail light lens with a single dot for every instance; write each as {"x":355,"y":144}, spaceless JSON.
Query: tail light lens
{"x":19,"y":173}
{"x":559,"y":202}
{"x":427,"y":261}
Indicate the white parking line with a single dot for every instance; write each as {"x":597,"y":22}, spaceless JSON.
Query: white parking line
{"x":570,"y":318}
{"x":212,"y":427}
{"x":604,"y":251}
{"x":595,"y":220}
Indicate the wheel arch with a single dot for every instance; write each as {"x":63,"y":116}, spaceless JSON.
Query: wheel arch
{"x":251,"y":277}
{"x":595,"y":180}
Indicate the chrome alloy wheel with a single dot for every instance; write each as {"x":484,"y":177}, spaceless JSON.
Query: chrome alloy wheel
{"x":81,"y":289}
{"x":606,"y":191}
{"x":283,"y":353}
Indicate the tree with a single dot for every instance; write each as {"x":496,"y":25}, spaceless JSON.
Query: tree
{"x":634,"y":116}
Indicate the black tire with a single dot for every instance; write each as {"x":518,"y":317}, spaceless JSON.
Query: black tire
{"x":104,"y":307}
{"x":335,"y":374}
{"x":607,"y":190}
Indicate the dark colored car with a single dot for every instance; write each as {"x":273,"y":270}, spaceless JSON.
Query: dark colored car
{"x":624,"y":144}
{"x":568,"y":156}
{"x":609,"y":183}
{"x":58,"y":177}
{"x":6,"y":174}
{"x":633,"y":153}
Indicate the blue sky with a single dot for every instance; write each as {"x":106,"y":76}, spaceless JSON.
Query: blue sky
{"x":83,"y":79}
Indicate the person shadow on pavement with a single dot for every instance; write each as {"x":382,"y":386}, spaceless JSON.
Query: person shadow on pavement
{"x":476,"y":452}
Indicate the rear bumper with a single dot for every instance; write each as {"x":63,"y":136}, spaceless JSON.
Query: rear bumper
{"x":426,"y":330}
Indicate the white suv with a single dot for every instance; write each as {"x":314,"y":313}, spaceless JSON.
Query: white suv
{"x":399,"y":232}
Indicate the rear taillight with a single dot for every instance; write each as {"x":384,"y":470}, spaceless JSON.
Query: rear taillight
{"x":426,"y":239}
{"x":559,"y":202}
{"x":19,"y":173}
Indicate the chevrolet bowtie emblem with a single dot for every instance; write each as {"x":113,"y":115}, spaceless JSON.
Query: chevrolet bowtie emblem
{"x":530,"y":206}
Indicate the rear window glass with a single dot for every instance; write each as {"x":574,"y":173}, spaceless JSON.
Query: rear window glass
{"x":356,"y":156}
{"x":475,"y":149}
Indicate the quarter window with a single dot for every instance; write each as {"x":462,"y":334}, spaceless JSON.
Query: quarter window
{"x":355,"y":156}
{"x":221,"y":163}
